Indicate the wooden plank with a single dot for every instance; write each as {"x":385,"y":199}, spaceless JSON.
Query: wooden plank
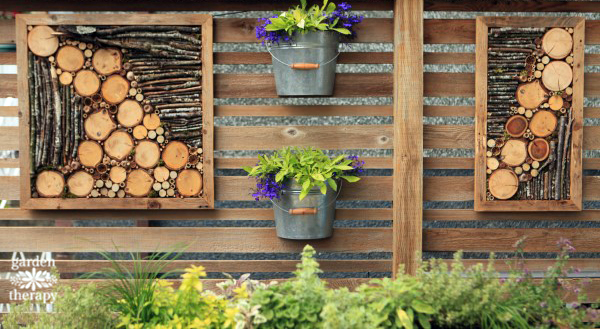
{"x":7,"y":34}
{"x":9,"y":188}
{"x":7,"y":58}
{"x":263,"y":85}
{"x":470,"y":215}
{"x":243,"y":30}
{"x":469,"y":111}
{"x":9,"y":111}
{"x":302,"y":110}
{"x":9,"y":138}
{"x":408,"y":134}
{"x":449,"y":84}
{"x":334,"y":137}
{"x":265,"y":58}
{"x":368,"y":188}
{"x":8,"y":85}
{"x":147,"y":215}
{"x":227,"y":266}
{"x":513,"y":6}
{"x":194,"y":239}
{"x":9,"y":163}
{"x":497,"y":240}
{"x":449,"y":58}
{"x":237,"y":163}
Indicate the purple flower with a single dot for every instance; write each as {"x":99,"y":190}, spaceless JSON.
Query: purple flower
{"x":267,"y":188}
{"x":345,"y":6}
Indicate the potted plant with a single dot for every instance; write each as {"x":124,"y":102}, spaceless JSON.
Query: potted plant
{"x":303,"y":185}
{"x":304,"y":43}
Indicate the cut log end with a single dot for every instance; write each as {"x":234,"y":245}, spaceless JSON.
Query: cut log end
{"x":99,"y":125}
{"x":557,"y":75}
{"x":503,"y":184}
{"x":140,"y":132}
{"x":114,"y":89}
{"x":86,"y":83}
{"x":516,"y":126}
{"x":118,"y":174}
{"x":175,"y":155}
{"x":118,"y":145}
{"x":543,"y":123}
{"x":80,"y":184}
{"x":70,"y":58}
{"x":538,"y":149}
{"x":151,"y":121}
{"x":42,"y":41}
{"x":189,"y":183}
{"x":514,"y":152}
{"x":139,"y":183}
{"x":557,"y":43}
{"x":90,"y":153}
{"x":161,"y":174}
{"x":107,"y":61}
{"x":50,"y":184}
{"x":147,"y":154}
{"x":531,"y":95}
{"x":130,"y":113}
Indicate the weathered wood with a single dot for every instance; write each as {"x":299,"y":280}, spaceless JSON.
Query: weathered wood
{"x":49,"y":184}
{"x":118,"y":145}
{"x":189,"y":182}
{"x":138,"y":183}
{"x":80,"y":184}
{"x":147,"y":154}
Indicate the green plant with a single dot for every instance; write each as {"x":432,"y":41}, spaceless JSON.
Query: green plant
{"x":74,"y":308}
{"x":309,"y":167}
{"x":296,"y":303}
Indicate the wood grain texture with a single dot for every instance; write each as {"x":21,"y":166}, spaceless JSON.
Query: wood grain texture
{"x":9,"y":111}
{"x":302,"y":110}
{"x":265,"y":58}
{"x":8,"y":85}
{"x":237,"y":163}
{"x":471,"y":215}
{"x":481,"y":83}
{"x":408,"y":134}
{"x":216,"y":239}
{"x":7,"y":26}
{"x":512,"y":6}
{"x":7,"y":58}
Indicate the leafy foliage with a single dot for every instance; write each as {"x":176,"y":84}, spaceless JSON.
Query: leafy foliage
{"x":75,"y":308}
{"x":308,"y":167}
{"x":301,"y":19}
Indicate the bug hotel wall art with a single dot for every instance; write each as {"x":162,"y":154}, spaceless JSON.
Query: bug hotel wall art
{"x":529,"y":114}
{"x":116,"y":111}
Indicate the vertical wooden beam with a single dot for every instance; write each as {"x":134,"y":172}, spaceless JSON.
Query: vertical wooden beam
{"x":408,"y":133}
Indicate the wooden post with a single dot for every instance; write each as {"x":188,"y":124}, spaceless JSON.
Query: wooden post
{"x":408,"y":134}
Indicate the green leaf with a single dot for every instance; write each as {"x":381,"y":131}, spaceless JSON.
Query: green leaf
{"x":422,"y":307}
{"x":280,"y":176}
{"x":318,"y":176}
{"x":342,"y":30}
{"x":351,"y":179}
{"x":303,"y":194}
{"x":330,"y":8}
{"x":332,"y":183}
{"x":343,"y":167}
{"x":404,"y":319}
{"x":424,"y":321}
{"x":303,"y":3}
{"x":306,"y":184}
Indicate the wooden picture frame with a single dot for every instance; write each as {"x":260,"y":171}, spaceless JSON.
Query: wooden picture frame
{"x":574,"y":25}
{"x":203,"y":200}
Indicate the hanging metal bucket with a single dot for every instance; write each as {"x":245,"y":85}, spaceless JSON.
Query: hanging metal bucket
{"x":306,"y":66}
{"x":309,"y":218}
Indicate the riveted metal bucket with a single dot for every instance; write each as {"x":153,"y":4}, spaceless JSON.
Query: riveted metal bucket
{"x":309,"y":218}
{"x":306,"y":65}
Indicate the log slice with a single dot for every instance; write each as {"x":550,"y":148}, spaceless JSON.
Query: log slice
{"x":114,"y":89}
{"x":531,"y":95}
{"x":514,"y":152}
{"x":41,"y":41}
{"x":161,"y":174}
{"x":175,"y":155}
{"x":117,"y":174}
{"x":50,"y":184}
{"x":140,"y":132}
{"x":65,"y":78}
{"x":130,"y":113}
{"x":139,"y":183}
{"x":516,"y":126}
{"x":538,"y":149}
{"x":555,"y":102}
{"x":543,"y":123}
{"x":147,"y":154}
{"x":118,"y":145}
{"x":80,"y":184}
{"x":557,"y":75}
{"x":503,"y":184}
{"x":151,"y":121}
{"x":107,"y":61}
{"x":90,"y":153}
{"x":557,"y":43}
{"x":69,"y":58}
{"x":99,"y":125}
{"x":189,"y":182}
{"x":86,"y":83}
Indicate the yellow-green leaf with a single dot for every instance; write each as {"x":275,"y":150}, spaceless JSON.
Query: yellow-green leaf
{"x":422,"y":307}
{"x":404,"y":319}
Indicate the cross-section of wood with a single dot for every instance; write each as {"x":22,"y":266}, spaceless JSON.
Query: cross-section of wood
{"x":189,"y":182}
{"x":118,"y":145}
{"x":99,"y":125}
{"x":514,"y":152}
{"x":161,"y":174}
{"x":147,"y":154}
{"x":42,"y":41}
{"x":557,"y":75}
{"x":175,"y":155}
{"x":80,"y":184}
{"x":107,"y":61}
{"x":114,"y":89}
{"x":139,"y":183}
{"x":86,"y":83}
{"x":50,"y":184}
{"x":90,"y":153}
{"x":531,"y":95}
{"x":69,"y":58}
{"x":130,"y":113}
{"x":140,"y":132}
{"x":557,"y":43}
{"x":538,"y":149}
{"x":543,"y":123}
{"x":151,"y":121}
{"x":117,"y":174}
{"x":503,"y":184}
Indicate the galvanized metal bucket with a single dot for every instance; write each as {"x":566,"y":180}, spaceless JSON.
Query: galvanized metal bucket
{"x":306,"y":66}
{"x":306,"y":219}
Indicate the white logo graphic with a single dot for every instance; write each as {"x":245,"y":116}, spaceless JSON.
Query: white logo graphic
{"x":32,"y":280}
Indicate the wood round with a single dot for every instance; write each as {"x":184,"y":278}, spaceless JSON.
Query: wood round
{"x":175,"y":155}
{"x":80,"y":184}
{"x":531,"y":95}
{"x":86,"y":83}
{"x":516,"y":126}
{"x":118,"y":145}
{"x":114,"y":89}
{"x":555,"y":102}
{"x":538,"y":149}
{"x":107,"y":61}
{"x":503,"y":184}
{"x":492,"y":163}
{"x":41,"y":41}
{"x":117,"y":174}
{"x":557,"y":76}
{"x":147,"y":154}
{"x":99,"y":125}
{"x":514,"y":152}
{"x":557,"y":43}
{"x":189,"y":182}
{"x":130,"y":113}
{"x":69,"y":58}
{"x":543,"y":123}
{"x":50,"y":184}
{"x":138,"y":183}
{"x":161,"y":174}
{"x":65,"y":78}
{"x":151,"y":121}
{"x":90,"y":153}
{"x":140,"y":132}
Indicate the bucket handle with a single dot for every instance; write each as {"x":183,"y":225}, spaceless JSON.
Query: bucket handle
{"x":302,"y":66}
{"x":309,"y":211}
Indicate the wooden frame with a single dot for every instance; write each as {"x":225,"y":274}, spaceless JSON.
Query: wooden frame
{"x":207,"y":198}
{"x":481,"y":101}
